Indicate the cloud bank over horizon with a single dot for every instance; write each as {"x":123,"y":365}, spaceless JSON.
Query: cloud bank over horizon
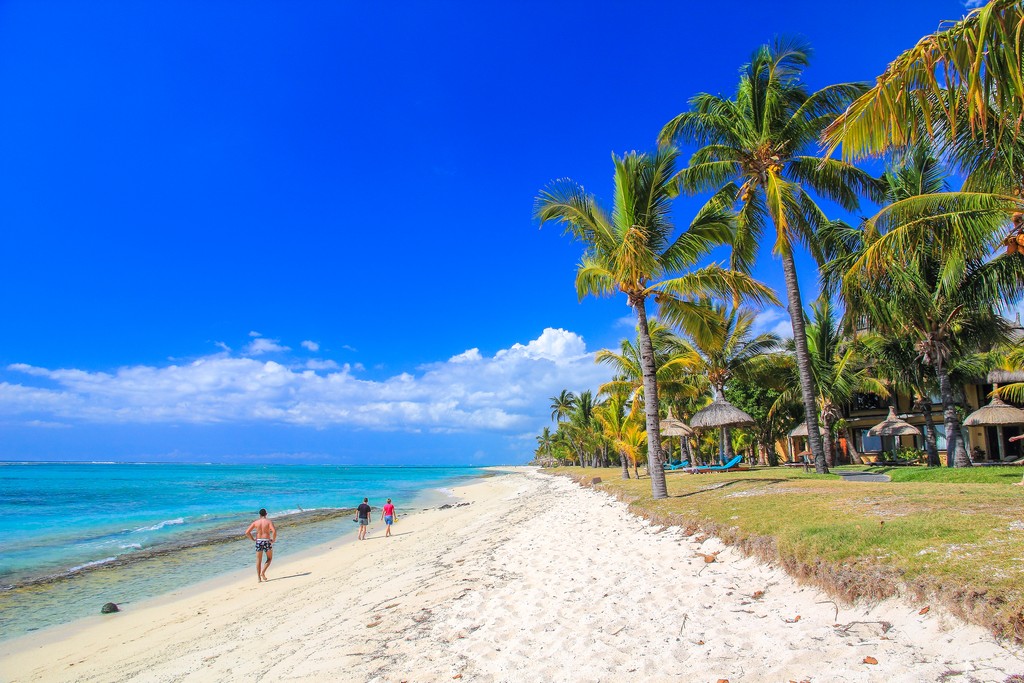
{"x":504,"y":392}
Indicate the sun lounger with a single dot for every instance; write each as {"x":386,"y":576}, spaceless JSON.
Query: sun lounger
{"x":672,"y":466}
{"x":717,"y":468}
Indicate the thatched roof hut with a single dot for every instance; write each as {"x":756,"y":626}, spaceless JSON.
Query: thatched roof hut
{"x":1005,"y":376}
{"x":801,"y":430}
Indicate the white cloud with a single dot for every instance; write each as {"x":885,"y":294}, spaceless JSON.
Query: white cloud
{"x":253,"y":333}
{"x":775,"y":320}
{"x":470,"y":356}
{"x":972,"y":4}
{"x":261,"y":345}
{"x":311,"y":345}
{"x":316,"y":364}
{"x":471,"y":391}
{"x":558,"y":346}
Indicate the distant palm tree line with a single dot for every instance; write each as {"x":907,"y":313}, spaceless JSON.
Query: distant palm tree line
{"x":910,"y":297}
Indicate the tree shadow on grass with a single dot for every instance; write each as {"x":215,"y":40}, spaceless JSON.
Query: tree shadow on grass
{"x":731,"y":482}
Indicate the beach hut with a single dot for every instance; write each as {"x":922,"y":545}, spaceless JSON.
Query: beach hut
{"x":800,"y":431}
{"x":996,"y":414}
{"x":722,"y":415}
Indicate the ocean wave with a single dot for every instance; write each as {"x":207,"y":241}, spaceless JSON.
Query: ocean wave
{"x":90,"y":565}
{"x":191,"y":537}
{"x":161,"y":525}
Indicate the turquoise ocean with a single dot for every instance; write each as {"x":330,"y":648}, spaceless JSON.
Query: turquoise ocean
{"x":78,"y":535}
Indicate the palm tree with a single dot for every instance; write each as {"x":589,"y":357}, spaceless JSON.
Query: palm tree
{"x":894,"y":358}
{"x":562,"y":405}
{"x":1014,"y":361}
{"x":632,"y":250}
{"x":923,"y":271}
{"x":545,"y":443}
{"x":617,"y":421}
{"x":581,"y":425}
{"x":758,"y":152}
{"x":719,"y":344}
{"x":628,"y":370}
{"x":962,"y":82}
{"x":839,"y":372}
{"x":757,"y":396}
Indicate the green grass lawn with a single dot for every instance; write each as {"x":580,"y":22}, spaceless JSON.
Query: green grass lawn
{"x":951,"y":535}
{"x":964,"y":475}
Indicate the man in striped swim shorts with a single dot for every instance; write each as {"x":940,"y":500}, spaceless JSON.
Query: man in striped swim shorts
{"x":264,"y":533}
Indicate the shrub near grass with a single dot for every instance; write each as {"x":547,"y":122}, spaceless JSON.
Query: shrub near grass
{"x":958,"y":542}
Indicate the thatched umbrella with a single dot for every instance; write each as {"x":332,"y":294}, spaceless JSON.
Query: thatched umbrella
{"x":673,"y":426}
{"x":996,"y":414}
{"x":893,"y":426}
{"x":720,"y":414}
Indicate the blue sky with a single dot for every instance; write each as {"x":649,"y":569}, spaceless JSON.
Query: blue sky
{"x":302,"y":231}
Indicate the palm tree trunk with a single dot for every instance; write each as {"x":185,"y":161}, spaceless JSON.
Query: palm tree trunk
{"x":956,"y":453}
{"x":625,"y":464}
{"x":729,"y":452}
{"x":803,"y":362}
{"x":654,"y":456}
{"x":854,"y":455}
{"x":827,"y":441}
{"x":930,"y":445}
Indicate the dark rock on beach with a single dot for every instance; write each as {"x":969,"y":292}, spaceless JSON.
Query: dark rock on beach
{"x":109,"y":608}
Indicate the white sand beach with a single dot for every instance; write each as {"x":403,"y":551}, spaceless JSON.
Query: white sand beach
{"x":536,"y":579}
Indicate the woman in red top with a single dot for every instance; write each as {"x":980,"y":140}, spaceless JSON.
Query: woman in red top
{"x":389,"y":516}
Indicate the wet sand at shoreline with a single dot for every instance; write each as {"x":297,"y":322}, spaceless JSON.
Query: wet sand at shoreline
{"x":535,"y":579}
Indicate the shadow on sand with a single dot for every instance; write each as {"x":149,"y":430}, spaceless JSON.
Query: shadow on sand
{"x":290,"y":576}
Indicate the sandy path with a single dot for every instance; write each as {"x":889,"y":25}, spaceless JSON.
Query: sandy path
{"x":535,"y":580}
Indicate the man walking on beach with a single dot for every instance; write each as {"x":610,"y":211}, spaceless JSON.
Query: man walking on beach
{"x":364,"y":517}
{"x":264,"y":533}
{"x":389,"y":516}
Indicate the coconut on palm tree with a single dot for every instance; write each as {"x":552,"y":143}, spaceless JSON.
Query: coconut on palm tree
{"x":633,"y":250}
{"x":758,"y":152}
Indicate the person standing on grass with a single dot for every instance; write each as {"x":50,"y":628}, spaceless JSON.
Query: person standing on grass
{"x":364,"y":517}
{"x":389,"y":516}
{"x":264,"y":533}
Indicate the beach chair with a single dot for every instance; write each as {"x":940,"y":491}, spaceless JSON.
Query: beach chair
{"x":670,"y":466}
{"x":717,"y":468}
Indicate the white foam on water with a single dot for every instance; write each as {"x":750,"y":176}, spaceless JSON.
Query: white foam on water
{"x":91,"y":564}
{"x":161,"y":525}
